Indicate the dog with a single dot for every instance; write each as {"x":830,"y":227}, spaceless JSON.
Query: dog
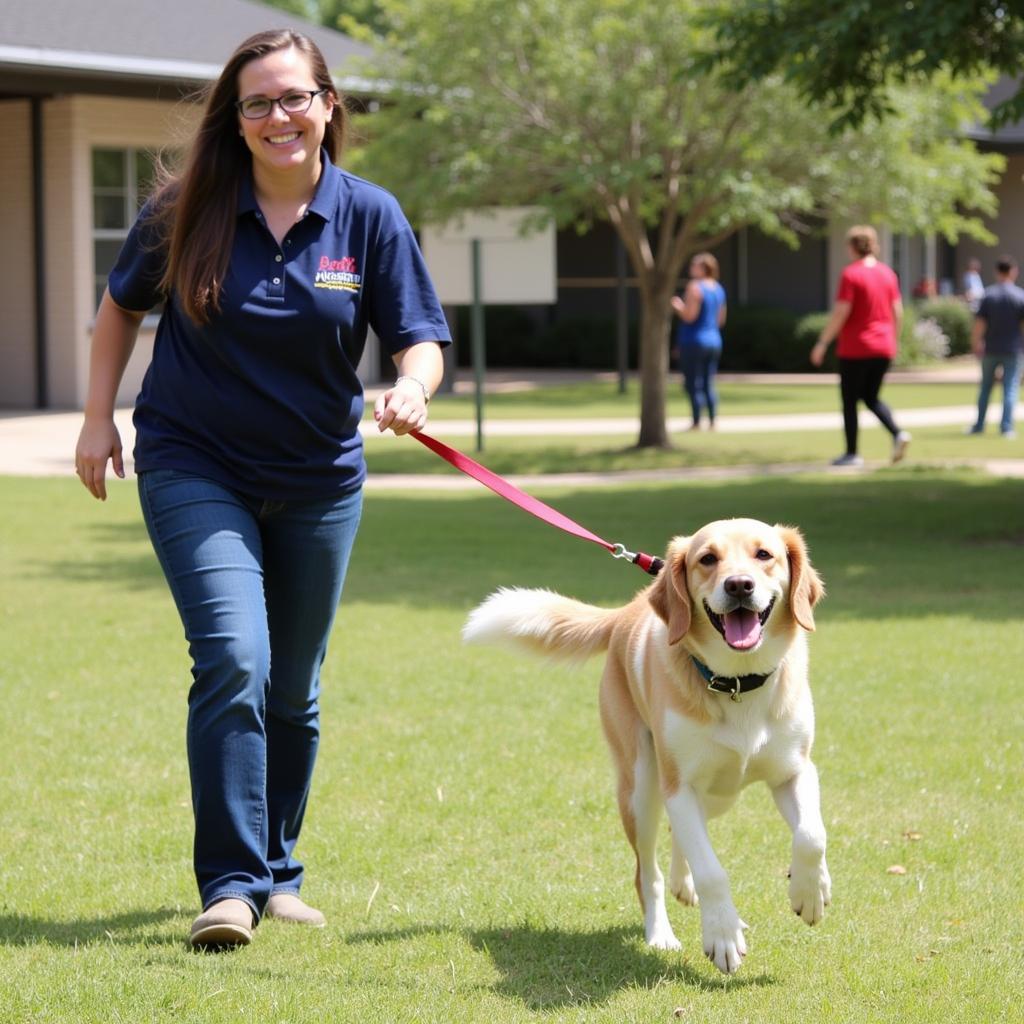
{"x":704,"y":691}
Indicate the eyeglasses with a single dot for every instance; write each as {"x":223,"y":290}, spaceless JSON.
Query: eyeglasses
{"x":295,"y":101}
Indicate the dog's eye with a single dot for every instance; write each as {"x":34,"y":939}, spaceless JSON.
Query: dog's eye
{"x":708,"y":559}
{"x":762,"y":555}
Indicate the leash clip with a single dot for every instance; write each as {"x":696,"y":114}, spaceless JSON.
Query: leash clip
{"x":619,"y":551}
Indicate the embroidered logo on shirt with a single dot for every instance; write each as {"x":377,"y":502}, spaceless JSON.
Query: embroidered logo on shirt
{"x":338,"y":275}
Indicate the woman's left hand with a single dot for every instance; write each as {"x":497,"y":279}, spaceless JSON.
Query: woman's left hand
{"x":402,"y":408}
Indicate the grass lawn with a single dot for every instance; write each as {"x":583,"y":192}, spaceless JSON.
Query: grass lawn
{"x":577,"y":454}
{"x":462,"y":836}
{"x":586,"y":399}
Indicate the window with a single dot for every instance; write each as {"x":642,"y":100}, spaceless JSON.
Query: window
{"x":121,"y":181}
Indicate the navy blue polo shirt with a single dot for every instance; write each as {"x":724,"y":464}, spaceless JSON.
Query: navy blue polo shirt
{"x":265,"y":398}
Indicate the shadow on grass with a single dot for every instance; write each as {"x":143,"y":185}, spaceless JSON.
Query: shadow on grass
{"x":120,"y":929}
{"x":550,"y":969}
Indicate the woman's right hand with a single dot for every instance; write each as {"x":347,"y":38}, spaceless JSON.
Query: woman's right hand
{"x":98,"y":441}
{"x":818,"y":353}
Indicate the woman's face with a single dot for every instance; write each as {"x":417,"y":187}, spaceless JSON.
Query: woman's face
{"x":280,"y":142}
{"x":696,"y":269}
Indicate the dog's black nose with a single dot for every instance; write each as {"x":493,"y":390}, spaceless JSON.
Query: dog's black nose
{"x":739,"y":586}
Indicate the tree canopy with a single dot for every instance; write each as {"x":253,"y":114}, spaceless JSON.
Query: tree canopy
{"x":847,"y":54}
{"x":608,"y":110}
{"x":351,"y":16}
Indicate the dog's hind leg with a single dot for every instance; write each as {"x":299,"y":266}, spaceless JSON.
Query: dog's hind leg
{"x":644,"y":803}
{"x":680,"y":879}
{"x":640,"y":800}
{"x":647,"y":803}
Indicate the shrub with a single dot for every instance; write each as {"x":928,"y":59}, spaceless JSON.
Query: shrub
{"x":954,"y":319}
{"x":513,"y":338}
{"x":761,"y":339}
{"x":929,"y":341}
{"x":805,"y":334}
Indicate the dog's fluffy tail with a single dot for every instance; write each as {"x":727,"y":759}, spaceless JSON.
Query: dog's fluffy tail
{"x":541,"y":621}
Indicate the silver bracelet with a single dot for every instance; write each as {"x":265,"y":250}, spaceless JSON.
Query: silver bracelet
{"x":416,"y":380}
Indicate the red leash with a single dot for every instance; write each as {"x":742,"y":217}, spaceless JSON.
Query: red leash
{"x":535,"y":507}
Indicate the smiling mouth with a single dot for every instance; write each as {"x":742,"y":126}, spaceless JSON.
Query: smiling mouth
{"x":741,"y":627}
{"x":280,"y":140}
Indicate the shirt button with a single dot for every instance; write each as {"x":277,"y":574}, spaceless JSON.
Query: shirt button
{"x":278,"y":258}
{"x":277,"y":280}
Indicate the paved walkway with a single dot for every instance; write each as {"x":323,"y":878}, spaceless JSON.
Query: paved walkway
{"x":42,"y":443}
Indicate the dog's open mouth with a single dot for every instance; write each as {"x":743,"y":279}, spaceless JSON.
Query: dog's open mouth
{"x":741,"y":627}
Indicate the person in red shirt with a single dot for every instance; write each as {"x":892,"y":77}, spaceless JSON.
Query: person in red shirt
{"x":866,"y":317}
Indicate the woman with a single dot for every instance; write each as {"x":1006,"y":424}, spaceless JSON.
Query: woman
{"x":272,"y":262}
{"x":866,"y":317}
{"x":702,"y":312}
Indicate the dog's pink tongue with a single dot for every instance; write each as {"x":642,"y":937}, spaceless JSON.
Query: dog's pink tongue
{"x":742,"y":628}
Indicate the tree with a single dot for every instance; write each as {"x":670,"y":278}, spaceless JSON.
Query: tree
{"x":607,"y":110}
{"x":848,"y":54}
{"x":350,"y":16}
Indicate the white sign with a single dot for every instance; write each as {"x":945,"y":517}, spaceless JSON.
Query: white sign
{"x":516,"y":268}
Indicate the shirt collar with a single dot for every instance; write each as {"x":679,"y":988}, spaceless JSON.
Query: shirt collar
{"x":325,"y":199}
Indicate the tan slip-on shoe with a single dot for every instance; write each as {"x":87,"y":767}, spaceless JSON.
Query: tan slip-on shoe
{"x":227,"y":922}
{"x":286,"y":906}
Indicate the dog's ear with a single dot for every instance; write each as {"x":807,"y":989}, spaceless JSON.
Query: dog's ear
{"x":806,"y":588}
{"x":670,"y":596}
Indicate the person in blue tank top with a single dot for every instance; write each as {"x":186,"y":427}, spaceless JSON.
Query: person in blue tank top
{"x":272,"y":263}
{"x":701,"y":312}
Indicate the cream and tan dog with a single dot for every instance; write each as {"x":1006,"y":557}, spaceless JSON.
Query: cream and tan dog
{"x":704,"y":691}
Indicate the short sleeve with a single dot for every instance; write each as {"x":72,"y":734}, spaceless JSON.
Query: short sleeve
{"x":982,"y":310}
{"x":134,"y":282}
{"x":845,"y":291}
{"x":404,"y":307}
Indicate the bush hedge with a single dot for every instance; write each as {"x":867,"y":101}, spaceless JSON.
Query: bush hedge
{"x":756,"y":339}
{"x":954,"y":318}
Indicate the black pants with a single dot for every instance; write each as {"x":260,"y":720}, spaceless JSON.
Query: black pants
{"x":860,"y":380}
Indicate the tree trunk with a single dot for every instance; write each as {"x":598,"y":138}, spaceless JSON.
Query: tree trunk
{"x":655,"y":311}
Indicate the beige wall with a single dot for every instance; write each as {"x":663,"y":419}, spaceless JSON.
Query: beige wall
{"x":1010,"y":230}
{"x":17,"y":297}
{"x":74,"y":125}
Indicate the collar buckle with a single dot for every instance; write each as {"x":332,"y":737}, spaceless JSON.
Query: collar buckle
{"x":721,"y":684}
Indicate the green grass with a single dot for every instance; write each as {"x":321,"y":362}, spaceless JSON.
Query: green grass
{"x":594,"y":398}
{"x":462,"y":835}
{"x":600,"y":454}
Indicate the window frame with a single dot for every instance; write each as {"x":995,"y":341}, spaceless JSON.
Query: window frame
{"x":132,"y":195}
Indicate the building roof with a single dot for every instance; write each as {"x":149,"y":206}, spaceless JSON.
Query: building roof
{"x":1009,"y":137}
{"x":142,"y":47}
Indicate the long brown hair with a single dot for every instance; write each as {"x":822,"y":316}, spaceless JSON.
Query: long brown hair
{"x":195,"y":211}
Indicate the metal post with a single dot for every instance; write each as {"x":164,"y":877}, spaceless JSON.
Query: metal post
{"x":39,"y":256}
{"x":477,"y":340}
{"x":621,"y":325}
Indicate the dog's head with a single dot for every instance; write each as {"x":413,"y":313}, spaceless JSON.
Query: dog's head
{"x":738,"y":583}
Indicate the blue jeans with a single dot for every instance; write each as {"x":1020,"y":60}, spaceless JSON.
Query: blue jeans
{"x":257,"y":584}
{"x":699,"y":366}
{"x":1011,"y":365}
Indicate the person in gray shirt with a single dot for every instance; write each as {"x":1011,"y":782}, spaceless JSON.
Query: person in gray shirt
{"x":998,"y":342}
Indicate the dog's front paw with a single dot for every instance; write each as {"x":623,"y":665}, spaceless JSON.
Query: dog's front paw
{"x":810,"y":892}
{"x":723,"y":937}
